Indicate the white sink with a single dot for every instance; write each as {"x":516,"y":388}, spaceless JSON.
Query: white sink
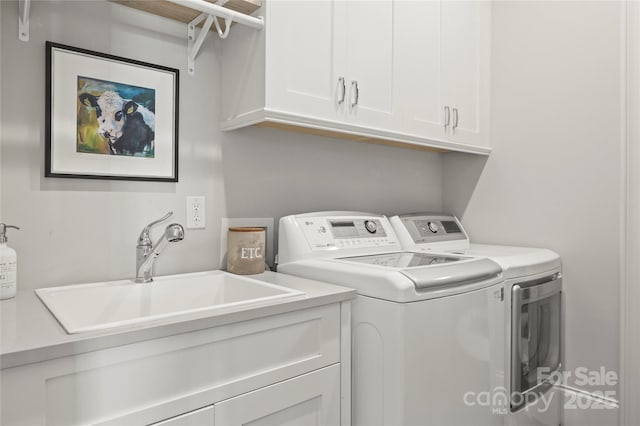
{"x":105,"y":305}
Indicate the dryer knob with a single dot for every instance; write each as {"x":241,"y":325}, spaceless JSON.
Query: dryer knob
{"x":433,"y":227}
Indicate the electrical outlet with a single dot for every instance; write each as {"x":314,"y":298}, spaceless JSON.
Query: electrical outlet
{"x":262,"y":222}
{"x":196,"y":212}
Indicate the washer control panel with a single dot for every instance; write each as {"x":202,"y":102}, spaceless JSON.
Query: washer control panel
{"x":342,"y":232}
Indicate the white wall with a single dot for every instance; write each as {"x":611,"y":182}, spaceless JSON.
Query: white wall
{"x":554,"y":177}
{"x":82,"y":230}
{"x":630,"y":387}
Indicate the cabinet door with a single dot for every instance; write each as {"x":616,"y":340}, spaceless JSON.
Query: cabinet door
{"x":302,"y":58}
{"x":466,"y":31}
{"x":310,"y":399}
{"x":370,"y":62}
{"x":419,"y":76}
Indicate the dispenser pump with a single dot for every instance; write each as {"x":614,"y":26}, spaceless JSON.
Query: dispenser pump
{"x":3,"y":232}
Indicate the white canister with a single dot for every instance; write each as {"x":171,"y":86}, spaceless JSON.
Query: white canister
{"x":245,"y":250}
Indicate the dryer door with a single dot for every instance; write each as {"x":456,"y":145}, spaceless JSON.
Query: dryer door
{"x":535,"y":337}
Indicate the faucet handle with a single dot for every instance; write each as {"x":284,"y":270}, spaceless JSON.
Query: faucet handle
{"x":144,"y":239}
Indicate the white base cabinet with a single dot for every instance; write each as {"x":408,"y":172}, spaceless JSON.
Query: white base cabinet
{"x":281,"y":369}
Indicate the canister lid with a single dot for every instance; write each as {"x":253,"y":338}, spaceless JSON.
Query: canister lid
{"x":245,"y":229}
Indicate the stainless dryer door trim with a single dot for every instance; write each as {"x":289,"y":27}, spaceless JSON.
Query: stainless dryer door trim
{"x":529,"y":293}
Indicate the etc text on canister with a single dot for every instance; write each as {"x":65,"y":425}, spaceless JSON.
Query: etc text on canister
{"x":245,"y":250}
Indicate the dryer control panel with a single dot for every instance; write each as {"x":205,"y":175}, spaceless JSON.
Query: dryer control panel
{"x":419,"y":231}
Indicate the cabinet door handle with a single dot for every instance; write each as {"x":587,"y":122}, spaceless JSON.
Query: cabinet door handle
{"x":447,"y":116}
{"x":356,"y":91}
{"x":344,"y":90}
{"x":455,"y":118}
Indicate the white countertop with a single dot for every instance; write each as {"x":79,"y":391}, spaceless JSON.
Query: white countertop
{"x":29,"y":333}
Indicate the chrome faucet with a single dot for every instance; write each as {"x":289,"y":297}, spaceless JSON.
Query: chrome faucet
{"x":147,"y":252}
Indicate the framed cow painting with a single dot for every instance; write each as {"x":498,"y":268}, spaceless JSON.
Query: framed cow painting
{"x":109,"y":117}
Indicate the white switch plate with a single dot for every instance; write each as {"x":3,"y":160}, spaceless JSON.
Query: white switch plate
{"x":261,"y":222}
{"x":196,"y":212}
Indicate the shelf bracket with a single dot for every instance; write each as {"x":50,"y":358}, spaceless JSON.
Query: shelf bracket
{"x":210,"y":14}
{"x":24,"y":12}
{"x":194,"y":43}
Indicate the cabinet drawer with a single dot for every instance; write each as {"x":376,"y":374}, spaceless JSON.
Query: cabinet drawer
{"x":201,"y":417}
{"x":311,"y":399}
{"x":149,"y":381}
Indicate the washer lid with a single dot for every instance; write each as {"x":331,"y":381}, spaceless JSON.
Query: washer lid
{"x":428,"y":271}
{"x":403,"y":259}
{"x":449,"y":275}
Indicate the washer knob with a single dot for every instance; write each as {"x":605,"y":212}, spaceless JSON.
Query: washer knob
{"x":370,"y":226}
{"x":433,"y":227}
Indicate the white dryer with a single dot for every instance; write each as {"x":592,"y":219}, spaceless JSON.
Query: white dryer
{"x":427,"y":329}
{"x":533,"y":314}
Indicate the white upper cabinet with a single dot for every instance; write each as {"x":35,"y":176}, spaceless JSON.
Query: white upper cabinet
{"x":369,"y":61}
{"x":443,"y":51}
{"x":329,"y":60}
{"x":302,"y":59}
{"x":407,"y":71}
{"x":466,"y":41}
{"x":420,"y":89}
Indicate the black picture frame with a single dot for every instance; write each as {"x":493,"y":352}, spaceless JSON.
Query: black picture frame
{"x":109,"y":117}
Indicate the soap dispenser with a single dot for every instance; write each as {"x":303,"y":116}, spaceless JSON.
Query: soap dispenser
{"x":8,"y":265}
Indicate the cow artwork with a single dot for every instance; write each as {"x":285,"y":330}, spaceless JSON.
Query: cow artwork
{"x":115,"y":118}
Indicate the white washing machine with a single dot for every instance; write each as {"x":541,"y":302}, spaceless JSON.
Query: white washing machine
{"x":427,"y":330}
{"x":533,"y":314}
